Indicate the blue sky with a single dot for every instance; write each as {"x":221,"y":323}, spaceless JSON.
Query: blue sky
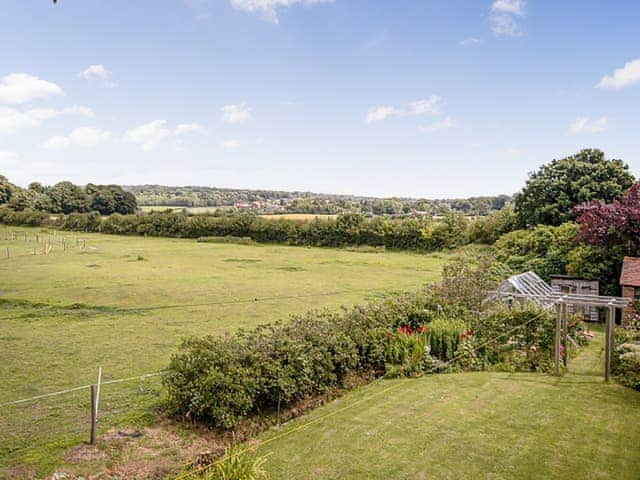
{"x":424,"y":98}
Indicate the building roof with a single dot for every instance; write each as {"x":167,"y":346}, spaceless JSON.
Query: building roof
{"x":630,"y":275}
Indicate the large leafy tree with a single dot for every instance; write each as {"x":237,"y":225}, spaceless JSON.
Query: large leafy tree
{"x":612,"y":224}
{"x":108,"y":199}
{"x":7,"y":189}
{"x":67,"y":198}
{"x":552,"y":192}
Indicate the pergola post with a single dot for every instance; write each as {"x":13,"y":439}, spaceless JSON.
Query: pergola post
{"x":608,"y":343}
{"x":529,"y":290}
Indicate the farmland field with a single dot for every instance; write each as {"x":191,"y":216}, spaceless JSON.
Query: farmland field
{"x":124,"y":303}
{"x":193,"y":210}
{"x":271,"y":216}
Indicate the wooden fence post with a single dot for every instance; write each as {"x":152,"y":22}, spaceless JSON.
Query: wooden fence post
{"x":556,"y":352}
{"x":565,"y":334}
{"x":93,"y":414}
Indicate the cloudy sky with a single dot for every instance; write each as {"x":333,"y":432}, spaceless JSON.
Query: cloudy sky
{"x":429,"y":98}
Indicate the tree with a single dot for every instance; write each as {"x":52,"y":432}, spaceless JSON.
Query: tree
{"x":552,"y":192}
{"x":66,"y":198}
{"x":6,"y":189}
{"x":612,"y":224}
{"x":108,"y":199}
{"x":37,"y":187}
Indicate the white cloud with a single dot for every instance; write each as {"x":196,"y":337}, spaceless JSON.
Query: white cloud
{"x":376,"y":114}
{"x":431,"y":105}
{"x":185,"y":128}
{"x":149,"y":135}
{"x":504,"y":16}
{"x":419,"y":107}
{"x":98,"y":72}
{"x":622,"y":77}
{"x":586,"y":125}
{"x":235,"y":114}
{"x":82,"y":137}
{"x":8,"y":158}
{"x":268,"y":9}
{"x":444,"y":124}
{"x":12,"y":119}
{"x":470,"y":41}
{"x":514,"y":7}
{"x":230,"y":145}
{"x":19,"y":88}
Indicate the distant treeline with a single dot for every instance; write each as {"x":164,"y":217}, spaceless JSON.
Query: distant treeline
{"x":65,"y":197}
{"x":269,"y":201}
{"x":422,"y":234}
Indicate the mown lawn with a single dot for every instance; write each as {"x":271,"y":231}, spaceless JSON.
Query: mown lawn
{"x":469,"y":426}
{"x":125,"y":303}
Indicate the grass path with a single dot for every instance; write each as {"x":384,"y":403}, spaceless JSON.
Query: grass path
{"x":473,"y":426}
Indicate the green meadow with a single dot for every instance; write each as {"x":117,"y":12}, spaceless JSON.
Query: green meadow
{"x":125,"y":303}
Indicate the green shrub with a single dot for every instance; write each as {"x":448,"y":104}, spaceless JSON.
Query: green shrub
{"x":626,"y":365}
{"x":444,"y":335}
{"x":221,"y":380}
{"x":236,"y":465}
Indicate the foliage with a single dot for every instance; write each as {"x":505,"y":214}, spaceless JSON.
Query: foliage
{"x":521,"y":337}
{"x":344,"y":230}
{"x":6,"y":189}
{"x":467,"y":279}
{"x":221,"y":380}
{"x":552,"y":192}
{"x":612,"y":224}
{"x":445,"y":335}
{"x":488,"y":229}
{"x":268,"y":201}
{"x":625,"y":364}
{"x":544,"y":249}
{"x":236,"y":465}
{"x":65,"y":198}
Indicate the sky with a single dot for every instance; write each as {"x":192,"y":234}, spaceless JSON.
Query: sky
{"x":419,"y":98}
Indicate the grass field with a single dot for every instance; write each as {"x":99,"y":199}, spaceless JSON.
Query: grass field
{"x":273,"y":216}
{"x":124,"y":303}
{"x":298,"y":216}
{"x":193,"y":210}
{"x":469,"y":425}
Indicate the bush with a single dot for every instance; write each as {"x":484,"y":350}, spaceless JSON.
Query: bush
{"x":349,"y":230}
{"x":236,"y":465}
{"x":627,"y":365}
{"x":444,"y":337}
{"x":221,"y":380}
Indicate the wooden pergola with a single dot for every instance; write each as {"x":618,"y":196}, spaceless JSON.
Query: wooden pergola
{"x":530,"y":287}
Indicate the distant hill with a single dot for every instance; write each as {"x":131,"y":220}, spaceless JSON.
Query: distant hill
{"x":276,"y":201}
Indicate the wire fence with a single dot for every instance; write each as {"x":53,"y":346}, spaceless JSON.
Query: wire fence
{"x":52,"y":424}
{"x":18,"y":244}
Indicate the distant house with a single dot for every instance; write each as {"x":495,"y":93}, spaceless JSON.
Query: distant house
{"x":578,"y":286}
{"x":630,"y":282}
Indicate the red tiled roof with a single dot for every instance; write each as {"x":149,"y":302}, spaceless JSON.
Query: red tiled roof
{"x":630,"y":275}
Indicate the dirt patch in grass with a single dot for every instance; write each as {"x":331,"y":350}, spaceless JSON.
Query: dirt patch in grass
{"x":84,"y":453}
